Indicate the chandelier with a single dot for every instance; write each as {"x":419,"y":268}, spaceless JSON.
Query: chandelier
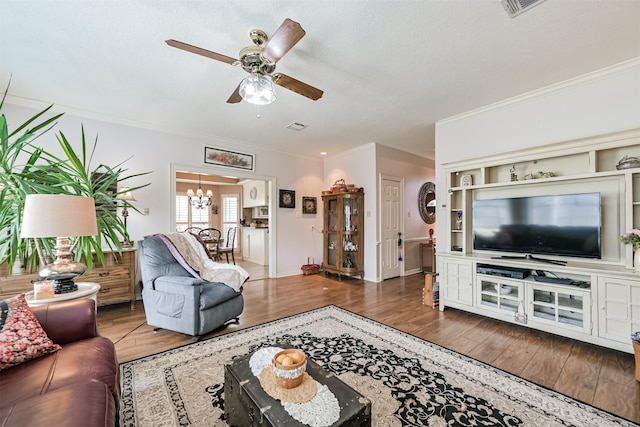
{"x":199,"y":199}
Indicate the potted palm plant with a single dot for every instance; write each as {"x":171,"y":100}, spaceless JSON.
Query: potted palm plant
{"x":26,"y":168}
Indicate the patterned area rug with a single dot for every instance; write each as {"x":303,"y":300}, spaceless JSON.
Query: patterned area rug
{"x":409,"y":381}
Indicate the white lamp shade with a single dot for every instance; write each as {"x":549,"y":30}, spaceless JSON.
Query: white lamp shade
{"x":126,"y":194}
{"x":57,"y":215}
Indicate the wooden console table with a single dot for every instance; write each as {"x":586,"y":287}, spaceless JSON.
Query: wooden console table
{"x":116,"y":279}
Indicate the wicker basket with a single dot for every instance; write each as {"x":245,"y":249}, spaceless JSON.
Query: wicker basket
{"x":339,"y":186}
{"x":289,"y":376}
{"x":310,"y":267}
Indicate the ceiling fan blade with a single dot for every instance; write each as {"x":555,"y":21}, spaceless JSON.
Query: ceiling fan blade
{"x":235,"y":96}
{"x":297,"y":86}
{"x":283,"y":39}
{"x":201,"y":51}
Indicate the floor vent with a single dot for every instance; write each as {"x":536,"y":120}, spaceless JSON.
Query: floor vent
{"x":516,"y":7}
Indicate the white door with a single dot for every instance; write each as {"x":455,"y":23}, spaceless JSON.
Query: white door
{"x":391,"y":227}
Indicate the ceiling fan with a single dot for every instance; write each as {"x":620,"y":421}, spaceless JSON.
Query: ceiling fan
{"x":260,"y":61}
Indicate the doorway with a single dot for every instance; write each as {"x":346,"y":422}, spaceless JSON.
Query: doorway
{"x":391,"y":226}
{"x":209,"y":175}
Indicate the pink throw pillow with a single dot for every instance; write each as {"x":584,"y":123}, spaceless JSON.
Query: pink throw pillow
{"x":21,"y":335}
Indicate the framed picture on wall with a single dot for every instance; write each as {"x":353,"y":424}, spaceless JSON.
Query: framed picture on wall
{"x":287,"y":199}
{"x":229,"y":159}
{"x":309,"y":205}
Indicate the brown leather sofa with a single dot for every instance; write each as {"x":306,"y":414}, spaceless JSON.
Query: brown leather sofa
{"x":78,"y":385}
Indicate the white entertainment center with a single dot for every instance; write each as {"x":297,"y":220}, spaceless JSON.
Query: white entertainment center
{"x":602,"y":306}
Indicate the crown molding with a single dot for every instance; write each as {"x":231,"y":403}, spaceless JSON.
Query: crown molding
{"x":603,"y":73}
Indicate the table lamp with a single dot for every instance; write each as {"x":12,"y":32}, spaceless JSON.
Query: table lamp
{"x":126,"y":195}
{"x":60,"y":216}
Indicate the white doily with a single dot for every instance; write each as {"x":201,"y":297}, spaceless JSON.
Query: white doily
{"x":262,"y":358}
{"x":321,"y":411}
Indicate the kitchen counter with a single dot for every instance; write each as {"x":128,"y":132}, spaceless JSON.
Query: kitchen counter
{"x":255,"y":245}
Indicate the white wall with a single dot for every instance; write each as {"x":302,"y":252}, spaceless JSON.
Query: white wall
{"x":145,"y":150}
{"x":601,"y":102}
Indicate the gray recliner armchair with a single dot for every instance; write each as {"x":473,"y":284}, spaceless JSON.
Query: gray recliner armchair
{"x":176,"y":300}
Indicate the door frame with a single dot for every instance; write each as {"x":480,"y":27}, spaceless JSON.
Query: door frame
{"x":212,"y":170}
{"x":400,"y":180}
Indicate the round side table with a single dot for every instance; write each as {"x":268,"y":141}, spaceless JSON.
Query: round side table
{"x":86,"y":290}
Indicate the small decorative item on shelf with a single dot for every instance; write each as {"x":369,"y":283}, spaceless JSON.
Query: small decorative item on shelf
{"x":529,"y":177}
{"x":350,"y":246}
{"x":633,"y":238}
{"x":520,"y":316}
{"x":514,"y":177}
{"x":459,"y":220}
{"x":503,"y":289}
{"x":546,"y":174}
{"x":288,"y":367}
{"x":348,"y":262}
{"x":43,"y":289}
{"x":628,"y":162}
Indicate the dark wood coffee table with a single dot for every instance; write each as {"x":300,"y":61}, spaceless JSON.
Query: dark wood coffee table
{"x":247,"y":404}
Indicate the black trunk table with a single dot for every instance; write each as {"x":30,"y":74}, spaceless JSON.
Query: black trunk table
{"x":247,"y":404}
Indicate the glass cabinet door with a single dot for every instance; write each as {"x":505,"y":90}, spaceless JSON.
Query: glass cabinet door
{"x":331,"y":226}
{"x":499,"y":294}
{"x":570,"y":308}
{"x":350,"y":245}
{"x":564,"y":307}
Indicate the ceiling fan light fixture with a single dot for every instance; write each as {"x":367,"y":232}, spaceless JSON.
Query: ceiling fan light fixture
{"x":257,"y":89}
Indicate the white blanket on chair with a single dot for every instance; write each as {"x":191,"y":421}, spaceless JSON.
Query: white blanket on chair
{"x":194,"y":254}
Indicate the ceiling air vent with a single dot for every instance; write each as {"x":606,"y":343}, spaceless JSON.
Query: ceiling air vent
{"x":516,"y":7}
{"x":296,"y":126}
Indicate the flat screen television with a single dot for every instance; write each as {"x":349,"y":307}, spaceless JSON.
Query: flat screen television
{"x":562,"y":225}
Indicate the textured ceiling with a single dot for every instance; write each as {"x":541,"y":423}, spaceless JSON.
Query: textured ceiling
{"x":389,"y":69}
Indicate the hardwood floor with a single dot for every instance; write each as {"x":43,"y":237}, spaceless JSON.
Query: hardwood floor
{"x":595,"y":375}
{"x":256,"y":271}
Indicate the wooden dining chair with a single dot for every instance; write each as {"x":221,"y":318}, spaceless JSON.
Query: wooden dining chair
{"x":211,"y":239}
{"x":228,"y":247}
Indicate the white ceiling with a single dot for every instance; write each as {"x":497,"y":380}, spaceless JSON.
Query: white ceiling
{"x":389,"y":69}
